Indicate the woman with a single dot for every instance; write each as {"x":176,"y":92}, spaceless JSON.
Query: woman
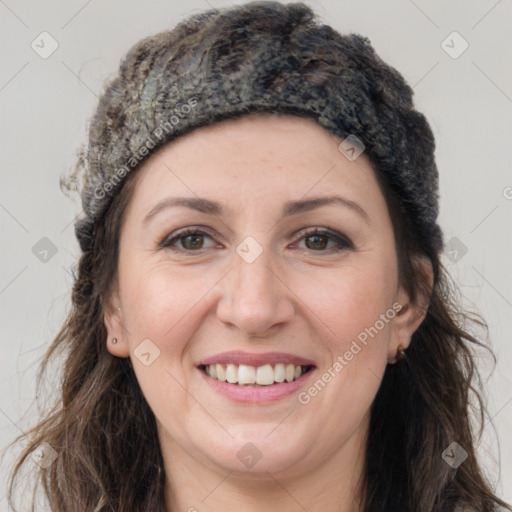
{"x":260,"y":316}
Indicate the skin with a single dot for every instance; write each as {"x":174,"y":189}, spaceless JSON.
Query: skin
{"x":298,"y":296}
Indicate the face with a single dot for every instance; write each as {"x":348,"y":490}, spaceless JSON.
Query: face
{"x":250,"y":279}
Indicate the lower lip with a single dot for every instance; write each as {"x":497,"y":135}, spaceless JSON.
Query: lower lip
{"x":248,"y":394}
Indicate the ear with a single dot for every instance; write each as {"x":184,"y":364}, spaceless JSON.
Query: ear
{"x":411,"y":314}
{"x":113,"y":318}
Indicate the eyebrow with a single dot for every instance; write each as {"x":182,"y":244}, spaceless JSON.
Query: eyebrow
{"x":290,"y":207}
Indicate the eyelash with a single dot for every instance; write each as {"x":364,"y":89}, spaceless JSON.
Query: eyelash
{"x":343,"y":242}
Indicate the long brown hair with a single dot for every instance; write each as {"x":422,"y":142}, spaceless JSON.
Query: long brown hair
{"x":105,"y":436}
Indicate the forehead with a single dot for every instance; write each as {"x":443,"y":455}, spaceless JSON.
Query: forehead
{"x":256,"y":161}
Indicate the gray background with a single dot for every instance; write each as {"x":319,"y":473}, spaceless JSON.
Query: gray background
{"x":46,"y":103}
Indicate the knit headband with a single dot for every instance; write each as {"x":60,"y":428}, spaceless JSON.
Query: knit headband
{"x":260,"y":57}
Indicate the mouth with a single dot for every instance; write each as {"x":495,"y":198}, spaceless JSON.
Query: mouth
{"x":255,"y":376}
{"x":250,"y":378}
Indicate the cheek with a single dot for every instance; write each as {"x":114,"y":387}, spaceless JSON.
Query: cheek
{"x":360,"y":315}
{"x":158,"y":299}
{"x":356,"y":338}
{"x":349,"y":300}
{"x":162,"y":305}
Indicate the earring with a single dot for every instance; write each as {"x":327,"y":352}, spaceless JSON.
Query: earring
{"x":114,"y":340}
{"x":400,"y":354}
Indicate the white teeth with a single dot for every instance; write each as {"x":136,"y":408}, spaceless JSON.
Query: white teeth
{"x":289,"y":372}
{"x":244,"y":374}
{"x":265,"y":375}
{"x":279,"y":372}
{"x":231,"y":373}
{"x":221,"y":373}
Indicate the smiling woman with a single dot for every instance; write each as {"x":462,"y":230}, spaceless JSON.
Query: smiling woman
{"x":261,"y":320}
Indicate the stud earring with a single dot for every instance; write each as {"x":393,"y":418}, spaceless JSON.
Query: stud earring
{"x":114,"y":340}
{"x":400,"y":354}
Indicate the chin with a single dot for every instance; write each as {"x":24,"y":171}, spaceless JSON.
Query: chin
{"x":254,"y":451}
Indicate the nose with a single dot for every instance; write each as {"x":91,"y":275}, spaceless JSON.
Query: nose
{"x":255,"y":296}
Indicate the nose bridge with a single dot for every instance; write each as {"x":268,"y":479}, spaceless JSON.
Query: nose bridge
{"x":255,"y":298}
{"x":254,"y":272}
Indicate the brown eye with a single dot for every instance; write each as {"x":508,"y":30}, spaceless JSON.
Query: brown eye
{"x":194,"y":241}
{"x":318,"y":239}
{"x":190,"y":240}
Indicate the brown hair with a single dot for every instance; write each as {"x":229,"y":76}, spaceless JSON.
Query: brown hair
{"x":104,"y":432}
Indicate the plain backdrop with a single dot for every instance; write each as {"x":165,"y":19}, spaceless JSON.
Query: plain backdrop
{"x":46,"y":104}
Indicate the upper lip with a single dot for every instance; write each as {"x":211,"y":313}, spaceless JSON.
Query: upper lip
{"x":272,"y":358}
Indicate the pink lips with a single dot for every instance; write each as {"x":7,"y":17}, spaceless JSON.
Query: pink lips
{"x":238,"y":357}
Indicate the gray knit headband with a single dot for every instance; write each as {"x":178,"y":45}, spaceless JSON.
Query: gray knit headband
{"x":260,"y":57}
